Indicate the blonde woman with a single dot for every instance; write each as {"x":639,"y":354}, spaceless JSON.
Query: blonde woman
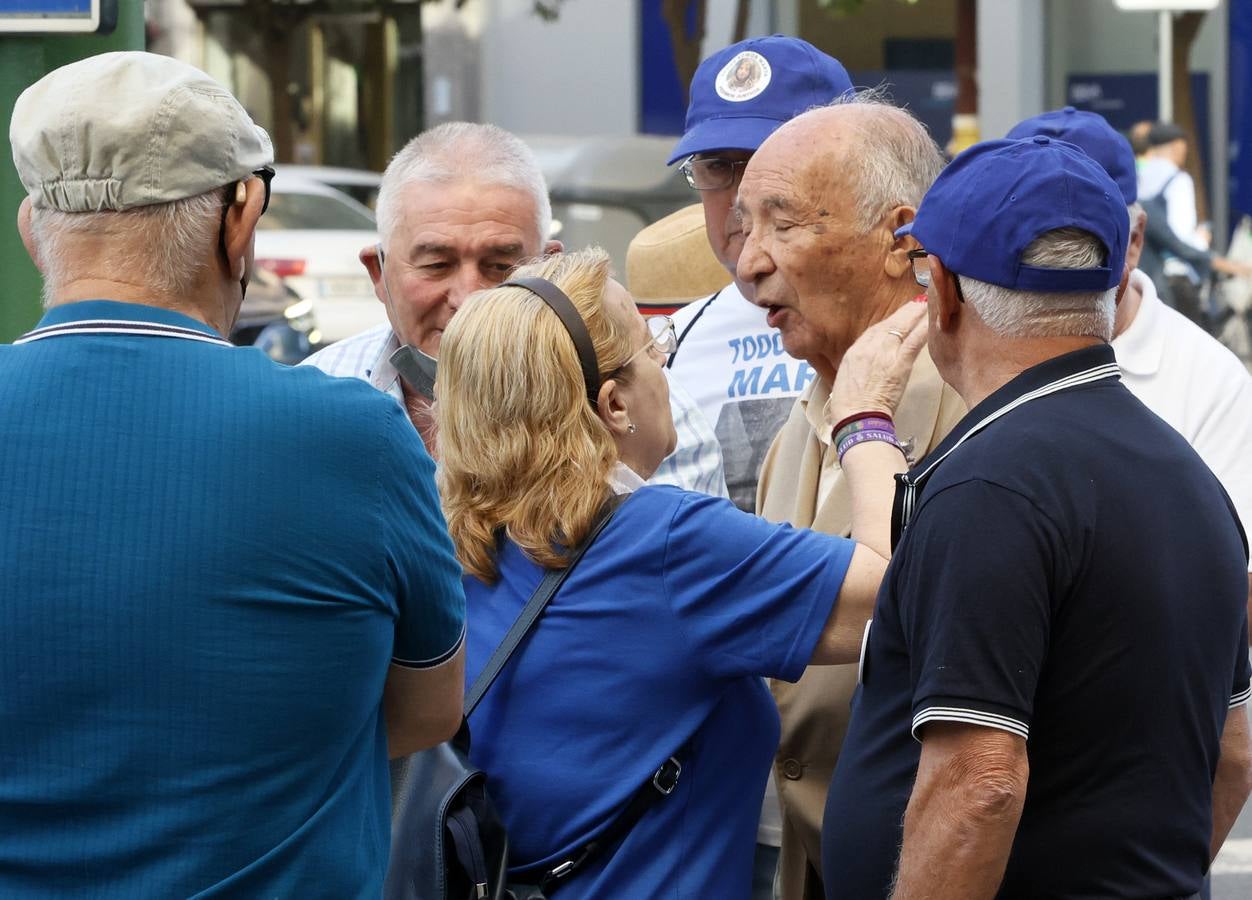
{"x":550,"y":397}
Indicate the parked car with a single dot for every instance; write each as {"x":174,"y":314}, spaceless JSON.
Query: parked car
{"x":604,"y":189}
{"x":359,"y":184}
{"x":274,"y":318}
{"x":310,"y":238}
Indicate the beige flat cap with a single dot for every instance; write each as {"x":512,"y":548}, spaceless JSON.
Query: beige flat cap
{"x":120,"y":130}
{"x":670,"y":262}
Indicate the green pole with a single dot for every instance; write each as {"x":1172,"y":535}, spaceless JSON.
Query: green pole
{"x":24,"y":59}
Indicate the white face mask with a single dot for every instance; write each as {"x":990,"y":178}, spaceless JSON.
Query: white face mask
{"x":416,"y":369}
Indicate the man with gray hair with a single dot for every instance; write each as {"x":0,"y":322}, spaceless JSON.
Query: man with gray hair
{"x":459,"y":207}
{"x":229,"y":589}
{"x":820,"y":201}
{"x":1021,"y":727}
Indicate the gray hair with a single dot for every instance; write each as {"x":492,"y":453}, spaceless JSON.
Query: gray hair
{"x":1011,"y":313}
{"x":903,"y":164}
{"x":165,"y":247}
{"x":455,"y":151}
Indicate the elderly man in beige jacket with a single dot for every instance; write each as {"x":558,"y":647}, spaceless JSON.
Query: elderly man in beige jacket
{"x":820,"y":201}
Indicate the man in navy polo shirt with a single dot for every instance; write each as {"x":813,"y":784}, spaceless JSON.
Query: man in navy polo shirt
{"x":1052,"y":689}
{"x":229,"y":590}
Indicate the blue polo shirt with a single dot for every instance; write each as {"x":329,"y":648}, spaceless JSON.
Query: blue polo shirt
{"x":656,"y":645}
{"x":208,"y":562}
{"x":1073,"y":574}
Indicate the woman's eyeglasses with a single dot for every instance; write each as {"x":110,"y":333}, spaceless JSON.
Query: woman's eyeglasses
{"x":664,"y":339}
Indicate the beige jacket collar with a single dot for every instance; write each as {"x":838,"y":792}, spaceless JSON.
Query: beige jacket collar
{"x":916,"y":420}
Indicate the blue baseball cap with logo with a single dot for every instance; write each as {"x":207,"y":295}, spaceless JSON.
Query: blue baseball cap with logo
{"x":740,"y":95}
{"x":1095,"y":136}
{"x":991,"y":203}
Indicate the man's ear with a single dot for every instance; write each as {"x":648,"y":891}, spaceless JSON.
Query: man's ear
{"x":897,"y":263}
{"x":371,"y":258}
{"x":1121,"y":287}
{"x":1134,"y":246}
{"x":24,"y":229}
{"x":241,"y":219}
{"x":552,"y":247}
{"x":948,"y":306}
{"x":611,"y":407}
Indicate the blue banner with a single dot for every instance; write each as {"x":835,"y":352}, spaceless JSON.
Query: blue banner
{"x":1240,"y":108}
{"x":45,"y":8}
{"x":662,"y":95}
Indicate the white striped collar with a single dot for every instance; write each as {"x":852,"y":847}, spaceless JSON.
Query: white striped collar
{"x":1072,"y":370}
{"x":121,"y":326}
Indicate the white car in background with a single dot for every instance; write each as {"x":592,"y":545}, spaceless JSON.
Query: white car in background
{"x":310,"y":238}
{"x":359,"y":184}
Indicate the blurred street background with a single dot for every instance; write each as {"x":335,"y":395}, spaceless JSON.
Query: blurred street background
{"x":598,"y":87}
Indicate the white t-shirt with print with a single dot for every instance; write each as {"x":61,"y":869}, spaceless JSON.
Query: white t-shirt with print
{"x":733,"y":365}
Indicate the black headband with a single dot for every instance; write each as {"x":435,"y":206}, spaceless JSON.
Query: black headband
{"x":565,"y":310}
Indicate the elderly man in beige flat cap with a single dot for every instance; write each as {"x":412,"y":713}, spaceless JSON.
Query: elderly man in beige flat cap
{"x":229,"y":592}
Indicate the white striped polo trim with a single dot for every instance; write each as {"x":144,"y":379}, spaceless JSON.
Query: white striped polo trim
{"x":1241,"y":698}
{"x":121,"y":326}
{"x":969,"y":717}
{"x":434,"y":661}
{"x":1088,"y":376}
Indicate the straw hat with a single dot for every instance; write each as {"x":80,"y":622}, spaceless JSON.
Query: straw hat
{"x":670,"y":263}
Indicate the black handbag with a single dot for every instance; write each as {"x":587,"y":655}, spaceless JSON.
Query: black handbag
{"x":447,"y":842}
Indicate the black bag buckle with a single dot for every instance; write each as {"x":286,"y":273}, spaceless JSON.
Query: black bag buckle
{"x":666,"y":777}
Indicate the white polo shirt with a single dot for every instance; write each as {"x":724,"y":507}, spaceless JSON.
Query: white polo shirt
{"x":1194,"y":383}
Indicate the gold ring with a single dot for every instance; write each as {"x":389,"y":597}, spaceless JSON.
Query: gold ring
{"x":899,"y":334}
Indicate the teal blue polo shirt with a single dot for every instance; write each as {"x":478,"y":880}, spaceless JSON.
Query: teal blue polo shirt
{"x":208,"y":562}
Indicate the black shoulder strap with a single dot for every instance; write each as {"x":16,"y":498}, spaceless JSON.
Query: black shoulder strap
{"x":669,"y":363}
{"x":662,"y":783}
{"x":547,"y":588}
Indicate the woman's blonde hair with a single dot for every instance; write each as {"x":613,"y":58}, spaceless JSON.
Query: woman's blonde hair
{"x":520,"y":447}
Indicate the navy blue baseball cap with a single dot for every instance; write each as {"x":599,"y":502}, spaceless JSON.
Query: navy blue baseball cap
{"x":987,"y":207}
{"x":1095,"y":136}
{"x":740,"y":95}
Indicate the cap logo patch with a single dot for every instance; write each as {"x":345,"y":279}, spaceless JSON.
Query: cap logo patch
{"x":744,"y":77}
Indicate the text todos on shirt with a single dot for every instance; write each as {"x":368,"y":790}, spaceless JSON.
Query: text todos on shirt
{"x":774,"y":371}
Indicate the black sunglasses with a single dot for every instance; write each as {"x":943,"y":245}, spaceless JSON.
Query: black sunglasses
{"x":921,"y":274}
{"x":266,"y":174}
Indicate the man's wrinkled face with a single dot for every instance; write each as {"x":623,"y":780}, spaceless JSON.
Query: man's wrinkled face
{"x":450,"y":240}
{"x":811,"y":266}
